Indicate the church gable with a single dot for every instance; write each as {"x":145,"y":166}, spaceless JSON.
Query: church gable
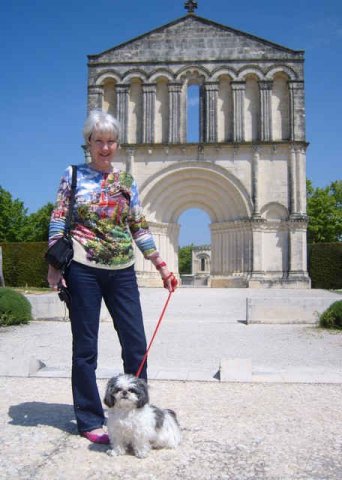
{"x":193,"y":38}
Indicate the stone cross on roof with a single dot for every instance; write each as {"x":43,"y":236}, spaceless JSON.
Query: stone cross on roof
{"x":190,"y":6}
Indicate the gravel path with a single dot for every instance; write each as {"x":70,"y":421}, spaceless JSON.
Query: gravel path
{"x":230,"y":431}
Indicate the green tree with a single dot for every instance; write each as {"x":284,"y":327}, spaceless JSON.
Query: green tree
{"x":12,"y":217}
{"x":185,"y":259}
{"x":336,"y":189}
{"x":36,"y":227}
{"x":324,"y":208}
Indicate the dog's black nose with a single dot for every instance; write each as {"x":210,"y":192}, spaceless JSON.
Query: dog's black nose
{"x":124,"y":393}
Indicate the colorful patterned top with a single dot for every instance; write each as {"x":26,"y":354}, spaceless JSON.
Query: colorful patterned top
{"x":107,"y":217}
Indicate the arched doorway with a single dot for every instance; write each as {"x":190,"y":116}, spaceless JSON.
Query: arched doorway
{"x":194,"y":253}
{"x":194,"y":227}
{"x":168,"y":193}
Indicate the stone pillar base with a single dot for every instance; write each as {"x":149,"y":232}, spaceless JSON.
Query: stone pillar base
{"x":228,"y":282}
{"x":291,"y":281}
{"x":300,"y":278}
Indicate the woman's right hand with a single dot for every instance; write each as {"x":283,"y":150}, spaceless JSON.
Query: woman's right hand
{"x":169,"y":280}
{"x":54,"y":277}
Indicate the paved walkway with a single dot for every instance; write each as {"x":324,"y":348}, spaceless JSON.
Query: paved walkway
{"x":275,"y":414}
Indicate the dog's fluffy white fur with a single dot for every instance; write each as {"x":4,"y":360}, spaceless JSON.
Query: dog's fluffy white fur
{"x":135,"y":424}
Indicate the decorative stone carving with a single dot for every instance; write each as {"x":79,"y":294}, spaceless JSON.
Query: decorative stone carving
{"x":190,"y":6}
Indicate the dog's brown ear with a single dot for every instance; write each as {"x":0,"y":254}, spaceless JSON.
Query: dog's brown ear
{"x":109,"y":399}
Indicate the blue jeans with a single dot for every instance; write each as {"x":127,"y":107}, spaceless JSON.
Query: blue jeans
{"x":119,"y":289}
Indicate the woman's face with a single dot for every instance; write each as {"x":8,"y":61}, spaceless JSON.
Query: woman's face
{"x":102,"y":147}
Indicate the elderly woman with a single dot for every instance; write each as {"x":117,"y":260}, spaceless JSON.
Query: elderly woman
{"x":107,"y":217}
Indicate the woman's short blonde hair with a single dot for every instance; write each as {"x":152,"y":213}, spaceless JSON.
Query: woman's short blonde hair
{"x":99,"y":121}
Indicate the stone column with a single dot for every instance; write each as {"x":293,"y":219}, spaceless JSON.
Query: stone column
{"x":238,"y":89}
{"x":258,"y":226}
{"x":95,"y":97}
{"x":301,"y":179}
{"x":292,"y":180}
{"x":298,"y":252}
{"x":122,"y":93}
{"x":217,"y":249}
{"x":209,"y":121}
{"x":175,"y":92}
{"x":130,"y":161}
{"x":255,"y":182}
{"x":149,"y":102}
{"x":265,"y":110}
{"x":297,"y":110}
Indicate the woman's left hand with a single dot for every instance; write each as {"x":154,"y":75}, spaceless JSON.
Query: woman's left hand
{"x":54,"y":278}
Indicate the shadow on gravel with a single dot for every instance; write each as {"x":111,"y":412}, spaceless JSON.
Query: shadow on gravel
{"x":31,"y":414}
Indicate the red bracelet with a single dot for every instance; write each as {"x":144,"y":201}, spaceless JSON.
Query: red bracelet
{"x":160,"y":265}
{"x":174,"y":281}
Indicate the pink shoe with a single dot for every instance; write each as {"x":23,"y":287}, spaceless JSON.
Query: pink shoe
{"x":96,"y":438}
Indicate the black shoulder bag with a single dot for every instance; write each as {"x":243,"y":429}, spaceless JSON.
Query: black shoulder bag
{"x":60,"y":254}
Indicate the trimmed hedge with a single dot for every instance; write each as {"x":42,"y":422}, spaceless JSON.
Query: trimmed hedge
{"x":332,"y":317}
{"x":325,"y":265}
{"x":14,"y":308}
{"x":24,"y":264}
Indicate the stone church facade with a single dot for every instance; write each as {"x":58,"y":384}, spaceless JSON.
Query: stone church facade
{"x":247,"y":171}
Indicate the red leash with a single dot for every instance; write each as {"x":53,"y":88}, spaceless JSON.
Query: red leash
{"x":154,"y":334}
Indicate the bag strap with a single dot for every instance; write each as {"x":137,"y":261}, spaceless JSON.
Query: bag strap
{"x":72,"y":199}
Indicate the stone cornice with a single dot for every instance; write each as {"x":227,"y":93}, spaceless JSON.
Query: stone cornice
{"x":298,"y":218}
{"x":225,"y":61}
{"x":200,"y":145}
{"x":260,"y":223}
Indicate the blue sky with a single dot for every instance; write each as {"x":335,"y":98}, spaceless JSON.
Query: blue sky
{"x":44,"y":46}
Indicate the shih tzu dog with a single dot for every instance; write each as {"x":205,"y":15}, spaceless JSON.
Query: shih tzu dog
{"x":134,"y":424}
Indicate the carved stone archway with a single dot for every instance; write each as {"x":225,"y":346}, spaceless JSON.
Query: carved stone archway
{"x":171,"y":191}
